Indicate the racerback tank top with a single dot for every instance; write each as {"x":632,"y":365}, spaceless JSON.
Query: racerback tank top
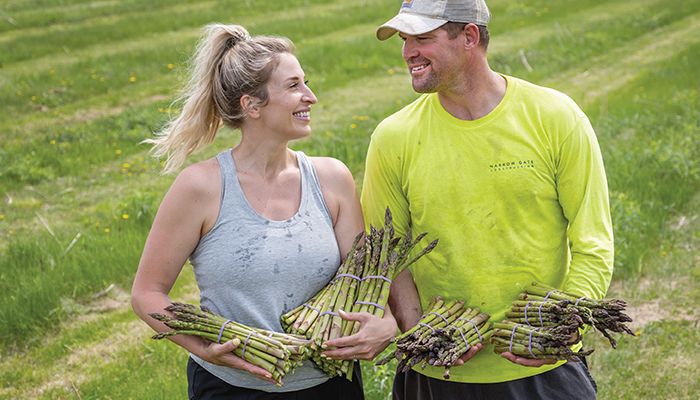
{"x":252,"y":270}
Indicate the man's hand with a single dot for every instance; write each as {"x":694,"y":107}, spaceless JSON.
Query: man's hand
{"x":373,"y":337}
{"x":532,"y":362}
{"x":469,"y":354}
{"x":527,"y":362}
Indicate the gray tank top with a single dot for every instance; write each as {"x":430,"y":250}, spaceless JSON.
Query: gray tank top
{"x":252,"y":270}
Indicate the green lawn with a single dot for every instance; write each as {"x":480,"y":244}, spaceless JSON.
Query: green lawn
{"x":82,"y":83}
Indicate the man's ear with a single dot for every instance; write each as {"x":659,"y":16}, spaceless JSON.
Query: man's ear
{"x":251,"y":106}
{"x":471,"y":36}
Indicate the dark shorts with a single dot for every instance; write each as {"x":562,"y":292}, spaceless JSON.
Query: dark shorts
{"x":569,"y":381}
{"x":202,"y":385}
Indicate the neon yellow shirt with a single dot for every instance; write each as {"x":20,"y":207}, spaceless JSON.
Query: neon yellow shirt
{"x":517,"y":196}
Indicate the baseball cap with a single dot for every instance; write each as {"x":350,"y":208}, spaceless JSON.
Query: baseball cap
{"x":420,"y":16}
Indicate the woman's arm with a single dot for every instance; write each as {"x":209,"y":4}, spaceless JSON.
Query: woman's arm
{"x":187,"y":211}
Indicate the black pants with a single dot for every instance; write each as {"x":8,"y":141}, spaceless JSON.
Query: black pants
{"x":202,"y":385}
{"x":571,"y":381}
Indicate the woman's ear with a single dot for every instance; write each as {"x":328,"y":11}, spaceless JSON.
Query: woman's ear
{"x":251,"y":106}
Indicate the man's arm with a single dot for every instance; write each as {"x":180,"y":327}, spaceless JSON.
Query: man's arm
{"x":404,"y":300}
{"x":583,"y":195}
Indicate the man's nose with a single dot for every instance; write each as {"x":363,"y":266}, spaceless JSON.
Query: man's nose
{"x":409,"y":49}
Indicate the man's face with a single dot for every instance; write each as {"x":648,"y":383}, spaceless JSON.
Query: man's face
{"x":434,"y":60}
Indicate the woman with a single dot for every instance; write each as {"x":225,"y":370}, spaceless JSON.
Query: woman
{"x":263,"y":226}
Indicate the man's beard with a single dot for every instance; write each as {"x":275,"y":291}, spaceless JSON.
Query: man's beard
{"x":427,"y":85}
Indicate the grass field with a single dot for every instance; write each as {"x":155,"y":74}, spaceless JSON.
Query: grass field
{"x":82,"y":83}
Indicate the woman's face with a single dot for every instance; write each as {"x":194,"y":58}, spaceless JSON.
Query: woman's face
{"x":288,"y":110}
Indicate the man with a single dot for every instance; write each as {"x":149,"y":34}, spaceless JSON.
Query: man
{"x":509,"y":176}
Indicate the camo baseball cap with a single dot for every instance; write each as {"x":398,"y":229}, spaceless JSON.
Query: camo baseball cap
{"x":420,"y":16}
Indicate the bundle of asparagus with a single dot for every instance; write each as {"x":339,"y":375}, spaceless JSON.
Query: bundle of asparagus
{"x":549,"y":342}
{"x":604,"y":315}
{"x":441,"y":336}
{"x":544,"y":323}
{"x":278,"y":353}
{"x":361,"y":284}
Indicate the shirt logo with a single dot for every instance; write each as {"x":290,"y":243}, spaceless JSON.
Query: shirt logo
{"x":511,"y":165}
{"x":407,"y":4}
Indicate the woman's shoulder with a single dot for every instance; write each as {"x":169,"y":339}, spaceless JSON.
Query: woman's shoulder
{"x":330,"y":169}
{"x":199,"y":179}
{"x":336,"y":180}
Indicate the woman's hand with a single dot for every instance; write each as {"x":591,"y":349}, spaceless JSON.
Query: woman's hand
{"x":222,"y":354}
{"x":373,"y":337}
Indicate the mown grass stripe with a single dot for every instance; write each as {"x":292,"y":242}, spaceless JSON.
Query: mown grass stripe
{"x":40,"y":67}
{"x":20,"y":128}
{"x":616,"y":68}
{"x":94,"y":339}
{"x":98,"y":31}
{"x":55,"y":86}
{"x":155,"y":92}
{"x":552,"y":28}
{"x":167,"y":36}
{"x":34,"y":20}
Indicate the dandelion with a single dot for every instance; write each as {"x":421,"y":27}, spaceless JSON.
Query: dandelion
{"x":132,"y":78}
{"x":125,"y":216}
{"x":2,"y":217}
{"x":638,"y":332}
{"x":171,"y":66}
{"x":126,"y":165}
{"x":53,"y":141}
{"x":33,"y":98}
{"x":353,"y":126}
{"x":106,"y":230}
{"x":118,"y":151}
{"x":391,"y":71}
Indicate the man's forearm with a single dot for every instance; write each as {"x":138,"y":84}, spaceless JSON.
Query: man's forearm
{"x":404,"y":301}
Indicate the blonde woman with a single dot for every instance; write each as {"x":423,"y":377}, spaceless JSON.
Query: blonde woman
{"x":263,"y":226}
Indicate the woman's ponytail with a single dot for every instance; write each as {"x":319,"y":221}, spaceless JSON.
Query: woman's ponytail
{"x":227,"y":64}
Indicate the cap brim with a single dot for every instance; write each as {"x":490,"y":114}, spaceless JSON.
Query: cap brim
{"x":410,"y":24}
